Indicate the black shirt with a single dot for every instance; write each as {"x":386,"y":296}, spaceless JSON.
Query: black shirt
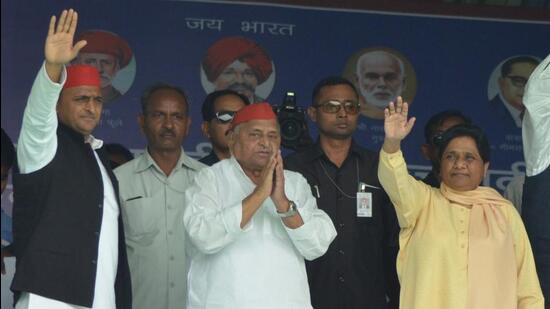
{"x":210,"y":159}
{"x":358,"y":270}
{"x":431,"y":180}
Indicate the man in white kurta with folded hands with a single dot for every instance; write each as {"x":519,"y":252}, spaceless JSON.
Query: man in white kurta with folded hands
{"x":253,"y":223}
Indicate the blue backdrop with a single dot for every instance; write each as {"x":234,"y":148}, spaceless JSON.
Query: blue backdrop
{"x":453,"y":59}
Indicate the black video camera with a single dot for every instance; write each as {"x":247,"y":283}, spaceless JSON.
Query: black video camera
{"x":292,"y":120}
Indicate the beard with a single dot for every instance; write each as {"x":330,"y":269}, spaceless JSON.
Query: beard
{"x":370,"y":97}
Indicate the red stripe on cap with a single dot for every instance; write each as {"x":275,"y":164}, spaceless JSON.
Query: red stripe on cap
{"x":82,"y":75}
{"x":256,"y":111}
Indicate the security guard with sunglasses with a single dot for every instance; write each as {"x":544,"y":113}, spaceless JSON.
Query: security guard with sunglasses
{"x":358,"y":270}
{"x":218,"y":110}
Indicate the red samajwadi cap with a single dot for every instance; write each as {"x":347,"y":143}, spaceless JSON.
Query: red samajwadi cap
{"x":82,"y":75}
{"x":255,"y":111}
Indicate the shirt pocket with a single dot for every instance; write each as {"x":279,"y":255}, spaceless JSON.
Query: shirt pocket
{"x":140,"y":217}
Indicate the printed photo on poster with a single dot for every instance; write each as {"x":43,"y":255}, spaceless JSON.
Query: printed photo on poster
{"x":239,"y":64}
{"x":381,"y":74}
{"x":506,"y":87}
{"x":114,"y":59}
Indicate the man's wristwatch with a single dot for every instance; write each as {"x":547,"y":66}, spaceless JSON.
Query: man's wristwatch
{"x":292,"y":210}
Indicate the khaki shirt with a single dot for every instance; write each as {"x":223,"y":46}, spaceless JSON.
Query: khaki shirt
{"x":152,"y":208}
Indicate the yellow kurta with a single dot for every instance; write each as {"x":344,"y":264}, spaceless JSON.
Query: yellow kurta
{"x":433,"y":258}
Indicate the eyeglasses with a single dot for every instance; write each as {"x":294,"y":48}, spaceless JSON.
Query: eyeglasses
{"x":333,"y":107}
{"x":518,"y":81}
{"x":224,"y":116}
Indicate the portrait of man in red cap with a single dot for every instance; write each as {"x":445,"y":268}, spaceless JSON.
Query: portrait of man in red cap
{"x":239,"y":64}
{"x":109,"y":53}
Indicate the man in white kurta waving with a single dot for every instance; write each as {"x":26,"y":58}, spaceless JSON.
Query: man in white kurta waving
{"x":68,"y":235}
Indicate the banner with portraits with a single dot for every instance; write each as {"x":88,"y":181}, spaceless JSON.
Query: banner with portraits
{"x":477,"y":66}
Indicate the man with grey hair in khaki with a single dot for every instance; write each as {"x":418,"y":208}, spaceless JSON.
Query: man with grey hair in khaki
{"x":380,"y":78}
{"x":152,"y":188}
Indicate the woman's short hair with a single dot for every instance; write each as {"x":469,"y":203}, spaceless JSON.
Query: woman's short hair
{"x":470,"y":130}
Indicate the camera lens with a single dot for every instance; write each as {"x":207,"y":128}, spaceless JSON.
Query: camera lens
{"x":290,"y":129}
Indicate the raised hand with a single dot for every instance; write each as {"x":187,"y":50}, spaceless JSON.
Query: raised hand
{"x":59,"y":49}
{"x":396,"y":124}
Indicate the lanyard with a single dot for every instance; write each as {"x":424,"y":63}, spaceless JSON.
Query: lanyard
{"x":334,"y":183}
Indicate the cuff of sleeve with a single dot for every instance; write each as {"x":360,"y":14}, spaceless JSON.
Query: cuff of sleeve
{"x":392,"y":159}
{"x":61,"y":80}
{"x":232,"y":216}
{"x":303,"y":232}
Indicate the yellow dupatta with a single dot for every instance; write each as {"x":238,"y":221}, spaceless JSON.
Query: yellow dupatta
{"x":492,"y":270}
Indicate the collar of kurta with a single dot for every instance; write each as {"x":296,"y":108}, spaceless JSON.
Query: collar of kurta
{"x":89,"y":139}
{"x":146,"y":161}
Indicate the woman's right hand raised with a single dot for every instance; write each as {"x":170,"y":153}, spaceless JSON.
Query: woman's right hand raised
{"x":396,"y":124}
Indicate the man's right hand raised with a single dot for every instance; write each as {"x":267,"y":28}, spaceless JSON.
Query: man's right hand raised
{"x":59,"y":49}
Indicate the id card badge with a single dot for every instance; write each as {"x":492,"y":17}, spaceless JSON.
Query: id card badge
{"x":364,"y":204}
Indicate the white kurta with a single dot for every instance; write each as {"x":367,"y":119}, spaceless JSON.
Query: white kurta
{"x":262,"y":265}
{"x":36,"y":148}
{"x":536,"y":122}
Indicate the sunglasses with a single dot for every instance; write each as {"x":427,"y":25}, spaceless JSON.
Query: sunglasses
{"x":437,"y":138}
{"x":224,"y":117}
{"x":333,"y":107}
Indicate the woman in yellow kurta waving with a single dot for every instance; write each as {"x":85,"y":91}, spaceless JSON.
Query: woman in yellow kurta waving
{"x":463,"y":245}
